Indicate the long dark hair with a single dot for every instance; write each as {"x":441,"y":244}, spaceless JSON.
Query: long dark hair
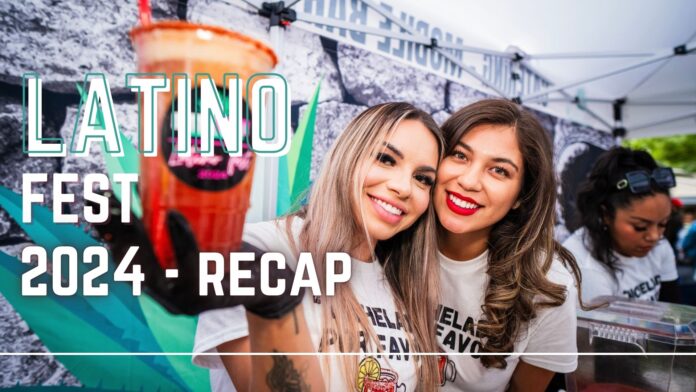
{"x":599,"y":198}
{"x":521,"y":245}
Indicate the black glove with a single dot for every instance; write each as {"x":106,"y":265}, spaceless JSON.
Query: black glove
{"x":181,"y":295}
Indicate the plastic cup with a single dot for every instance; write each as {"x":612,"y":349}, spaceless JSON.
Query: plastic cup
{"x":211,"y":192}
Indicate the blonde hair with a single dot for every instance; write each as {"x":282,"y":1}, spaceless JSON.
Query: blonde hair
{"x":409,"y":259}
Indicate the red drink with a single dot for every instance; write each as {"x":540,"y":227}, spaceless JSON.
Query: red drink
{"x":211,"y":192}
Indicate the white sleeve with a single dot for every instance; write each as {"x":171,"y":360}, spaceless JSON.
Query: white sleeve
{"x":668,"y":263}
{"x":554,"y":331}
{"x":219,"y":326}
{"x":597,"y":281}
{"x":270,"y":236}
{"x":214,"y":328}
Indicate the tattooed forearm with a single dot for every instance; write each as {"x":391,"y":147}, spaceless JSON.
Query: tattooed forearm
{"x":283,"y":377}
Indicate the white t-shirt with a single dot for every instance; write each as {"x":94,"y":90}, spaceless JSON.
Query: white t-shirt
{"x":210,"y":334}
{"x":395,"y":369}
{"x":639,"y":277}
{"x":463,"y":290}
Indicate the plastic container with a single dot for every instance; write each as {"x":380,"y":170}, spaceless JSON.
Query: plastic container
{"x":639,"y":328}
{"x":211,"y":192}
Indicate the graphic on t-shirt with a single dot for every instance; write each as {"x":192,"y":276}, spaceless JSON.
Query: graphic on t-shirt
{"x":372,"y":377}
{"x":387,"y":323}
{"x":641,"y":289}
{"x":396,"y":345}
{"x":389,"y":330}
{"x":457,"y":332}
{"x":446,"y":370}
{"x":386,"y":363}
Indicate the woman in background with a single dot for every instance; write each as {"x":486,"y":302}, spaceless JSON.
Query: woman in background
{"x":624,"y":206}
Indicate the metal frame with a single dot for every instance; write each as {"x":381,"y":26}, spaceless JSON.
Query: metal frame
{"x":411,"y":35}
{"x":665,"y":121}
{"x":302,"y":17}
{"x":416,"y":37}
{"x":629,"y":102}
{"x":586,"y":55}
{"x":663,"y":55}
{"x":570,"y":97}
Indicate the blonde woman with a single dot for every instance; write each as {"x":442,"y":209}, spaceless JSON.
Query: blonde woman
{"x":506,"y":285}
{"x":372,"y":201}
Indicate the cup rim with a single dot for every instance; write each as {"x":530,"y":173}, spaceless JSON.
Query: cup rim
{"x":181,"y":25}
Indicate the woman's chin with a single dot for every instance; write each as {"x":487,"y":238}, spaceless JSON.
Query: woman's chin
{"x":455,"y":226}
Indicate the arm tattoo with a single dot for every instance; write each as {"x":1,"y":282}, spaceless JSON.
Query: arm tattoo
{"x":283,"y":377}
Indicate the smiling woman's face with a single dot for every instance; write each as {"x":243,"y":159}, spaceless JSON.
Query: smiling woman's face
{"x":479,"y":182}
{"x":398,"y":177}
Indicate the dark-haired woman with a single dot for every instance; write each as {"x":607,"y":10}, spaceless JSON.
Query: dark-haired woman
{"x":624,"y":206}
{"x":506,"y":285}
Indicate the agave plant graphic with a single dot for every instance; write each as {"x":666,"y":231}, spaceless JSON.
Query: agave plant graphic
{"x":136,"y":331}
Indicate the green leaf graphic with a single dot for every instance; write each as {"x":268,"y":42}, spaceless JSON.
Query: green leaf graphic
{"x":74,"y":334}
{"x":120,"y":308}
{"x":129,"y":162}
{"x":299,"y":160}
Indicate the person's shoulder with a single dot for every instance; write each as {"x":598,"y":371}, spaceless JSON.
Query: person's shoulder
{"x":275,"y":225}
{"x":559,"y":273}
{"x":661,"y":253}
{"x":273,"y":233}
{"x":662,"y":248}
{"x":576,"y":243}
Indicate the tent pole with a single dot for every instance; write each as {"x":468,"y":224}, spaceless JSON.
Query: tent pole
{"x":408,"y":28}
{"x":445,"y":54}
{"x":236,"y":3}
{"x":417,"y":38}
{"x":628,"y":102}
{"x":302,"y":17}
{"x":471,"y":72}
{"x":661,"y":103}
{"x":569,"y":97}
{"x":596,"y":116}
{"x":649,"y":76}
{"x":270,"y":164}
{"x":586,"y":55}
{"x":689,"y":48}
{"x":473,"y":49}
{"x":389,"y":16}
{"x":664,"y":121}
{"x":573,"y":99}
{"x":251,"y":4}
{"x":390,"y":34}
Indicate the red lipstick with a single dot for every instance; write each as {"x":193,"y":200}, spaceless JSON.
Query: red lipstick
{"x":461,"y":210}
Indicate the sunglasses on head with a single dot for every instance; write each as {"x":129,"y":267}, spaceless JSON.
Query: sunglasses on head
{"x":638,"y":181}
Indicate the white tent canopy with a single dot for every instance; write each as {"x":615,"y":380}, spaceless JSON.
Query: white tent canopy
{"x":600,"y":52}
{"x":639,"y":31}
